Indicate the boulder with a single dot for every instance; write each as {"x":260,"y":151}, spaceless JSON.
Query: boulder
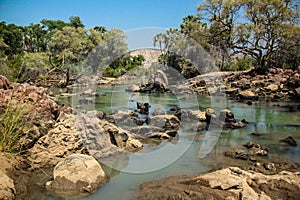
{"x":165,"y":122}
{"x":145,"y":130}
{"x":77,"y":173}
{"x":4,"y":83}
{"x":158,"y":111}
{"x":7,"y":187}
{"x":247,"y":95}
{"x":143,"y":108}
{"x":227,"y":116}
{"x":133,"y":88}
{"x":121,"y":138}
{"x":128,"y":118}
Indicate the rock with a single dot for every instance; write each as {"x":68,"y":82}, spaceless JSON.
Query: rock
{"x":297,"y":91}
{"x":232,"y":91}
{"x":77,"y":173}
{"x":4,"y":83}
{"x":290,"y":140}
{"x":145,"y":130}
{"x":121,"y":138}
{"x":165,"y":122}
{"x":101,"y":115}
{"x":235,"y":125}
{"x":247,"y":95}
{"x":88,"y":92}
{"x":7,"y":187}
{"x":158,"y":82}
{"x":133,"y":88}
{"x":272,"y":87}
{"x":60,"y":141}
{"x":158,"y":135}
{"x":251,"y":144}
{"x":158,"y":111}
{"x":228,"y":183}
{"x":127,"y":118}
{"x":143,"y":108}
{"x":86,"y":101}
{"x":227,"y":116}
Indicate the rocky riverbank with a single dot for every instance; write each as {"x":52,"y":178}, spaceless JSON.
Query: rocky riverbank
{"x":275,"y":85}
{"x":56,"y":135}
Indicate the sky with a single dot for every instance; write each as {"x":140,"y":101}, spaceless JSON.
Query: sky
{"x":123,"y":14}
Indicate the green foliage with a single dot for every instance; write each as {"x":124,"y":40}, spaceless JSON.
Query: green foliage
{"x":123,"y":65}
{"x":240,"y":63}
{"x":112,"y":45}
{"x":12,"y":127}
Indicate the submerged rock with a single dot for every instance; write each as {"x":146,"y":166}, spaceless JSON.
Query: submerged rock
{"x":76,"y":174}
{"x":290,"y":140}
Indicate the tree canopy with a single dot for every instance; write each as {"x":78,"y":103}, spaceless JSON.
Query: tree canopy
{"x":267,"y":31}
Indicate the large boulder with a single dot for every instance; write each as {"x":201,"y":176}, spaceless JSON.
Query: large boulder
{"x":165,"y":122}
{"x":7,"y":187}
{"x":77,"y":173}
{"x":121,"y":138}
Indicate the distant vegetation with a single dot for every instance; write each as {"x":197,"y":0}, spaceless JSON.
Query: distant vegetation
{"x":28,"y":53}
{"x":239,"y":35}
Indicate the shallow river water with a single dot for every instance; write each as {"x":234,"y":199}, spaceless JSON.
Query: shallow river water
{"x":155,"y":162}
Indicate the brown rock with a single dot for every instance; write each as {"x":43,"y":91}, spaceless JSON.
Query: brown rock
{"x":77,"y":173}
{"x":7,"y":187}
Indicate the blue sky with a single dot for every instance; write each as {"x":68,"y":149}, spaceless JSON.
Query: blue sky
{"x":124,"y":14}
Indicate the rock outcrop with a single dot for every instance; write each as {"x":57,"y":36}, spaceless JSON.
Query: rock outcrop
{"x":7,"y":187}
{"x":77,"y":173}
{"x":229,"y":183}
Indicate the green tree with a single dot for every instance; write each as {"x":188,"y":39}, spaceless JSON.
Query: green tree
{"x":258,"y":28}
{"x":69,"y":46}
{"x":11,"y":35}
{"x":111,"y":47}
{"x":76,"y":22}
{"x":34,"y":38}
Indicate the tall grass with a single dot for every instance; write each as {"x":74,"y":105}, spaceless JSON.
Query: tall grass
{"x":12,"y":127}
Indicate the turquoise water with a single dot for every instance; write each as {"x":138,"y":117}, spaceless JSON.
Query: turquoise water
{"x":181,"y":156}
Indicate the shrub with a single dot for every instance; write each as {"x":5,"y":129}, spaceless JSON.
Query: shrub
{"x":12,"y":127}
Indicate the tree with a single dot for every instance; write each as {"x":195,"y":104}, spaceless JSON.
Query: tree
{"x":11,"y":35}
{"x":258,"y":28}
{"x":52,"y":25}
{"x":34,"y":38}
{"x":111,"y":47}
{"x":76,"y":22}
{"x":69,"y":46}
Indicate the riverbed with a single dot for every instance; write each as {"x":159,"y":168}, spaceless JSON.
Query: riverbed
{"x":272,"y":120}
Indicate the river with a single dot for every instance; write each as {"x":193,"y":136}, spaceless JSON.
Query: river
{"x":181,"y":157}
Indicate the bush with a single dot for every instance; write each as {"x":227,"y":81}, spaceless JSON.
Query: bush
{"x":240,"y":64}
{"x":12,"y":127}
